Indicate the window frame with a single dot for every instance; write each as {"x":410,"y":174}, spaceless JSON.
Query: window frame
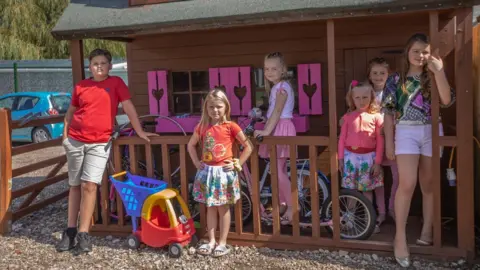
{"x":190,"y":93}
{"x":53,"y":103}
{"x":293,"y":81}
{"x":17,"y":107}
{"x":14,"y":103}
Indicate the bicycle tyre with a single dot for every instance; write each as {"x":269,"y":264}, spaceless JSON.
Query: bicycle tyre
{"x":372,"y":216}
{"x":244,"y":195}
{"x":323,"y":186}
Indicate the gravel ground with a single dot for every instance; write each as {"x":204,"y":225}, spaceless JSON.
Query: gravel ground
{"x":31,"y":245}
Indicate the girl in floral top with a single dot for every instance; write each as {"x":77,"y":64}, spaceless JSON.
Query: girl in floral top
{"x":407,"y":101}
{"x":216,"y":182}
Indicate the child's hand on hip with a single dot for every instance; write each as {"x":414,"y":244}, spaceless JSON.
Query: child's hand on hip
{"x":200,"y":165}
{"x":376,"y":170}
{"x":229,"y":166}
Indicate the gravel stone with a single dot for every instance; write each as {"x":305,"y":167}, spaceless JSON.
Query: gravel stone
{"x":30,"y":245}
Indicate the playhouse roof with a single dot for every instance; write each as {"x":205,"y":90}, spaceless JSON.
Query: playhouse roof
{"x":115,"y":19}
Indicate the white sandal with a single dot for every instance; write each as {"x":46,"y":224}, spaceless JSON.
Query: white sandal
{"x":205,"y":249}
{"x":220,"y":250}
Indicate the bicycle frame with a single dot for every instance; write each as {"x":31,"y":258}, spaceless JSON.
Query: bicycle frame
{"x":248,"y":177}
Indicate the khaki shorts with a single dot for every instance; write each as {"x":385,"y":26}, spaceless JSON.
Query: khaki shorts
{"x":86,"y":161}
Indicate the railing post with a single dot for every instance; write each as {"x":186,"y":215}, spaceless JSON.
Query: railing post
{"x":78,"y":66}
{"x":464,"y":90}
{"x":437,"y":190}
{"x":332,"y":110}
{"x":5,"y":171}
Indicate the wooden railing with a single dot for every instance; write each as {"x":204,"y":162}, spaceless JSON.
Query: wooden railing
{"x":7,"y":214}
{"x":255,"y":233}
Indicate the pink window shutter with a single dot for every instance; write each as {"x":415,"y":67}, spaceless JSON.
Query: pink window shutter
{"x":309,"y":89}
{"x":245,"y":89}
{"x":236,"y":82}
{"x":158,"y":92}
{"x":214,"y":77}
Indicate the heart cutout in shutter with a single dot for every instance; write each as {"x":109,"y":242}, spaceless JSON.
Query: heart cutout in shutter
{"x":310,"y":91}
{"x":240,"y":92}
{"x":158,"y":94}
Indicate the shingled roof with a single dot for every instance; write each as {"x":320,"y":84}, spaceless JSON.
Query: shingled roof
{"x":114,"y":18}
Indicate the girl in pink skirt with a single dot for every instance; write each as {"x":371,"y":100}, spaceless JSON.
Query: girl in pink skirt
{"x":279,"y":123}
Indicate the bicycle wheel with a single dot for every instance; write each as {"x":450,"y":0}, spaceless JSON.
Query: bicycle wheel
{"x":304,"y":195}
{"x":247,"y":207}
{"x":357,"y":215}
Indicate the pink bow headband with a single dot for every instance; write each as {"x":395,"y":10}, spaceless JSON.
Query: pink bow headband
{"x":354,"y":83}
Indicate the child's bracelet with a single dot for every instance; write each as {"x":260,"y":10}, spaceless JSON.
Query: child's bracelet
{"x":236,"y":165}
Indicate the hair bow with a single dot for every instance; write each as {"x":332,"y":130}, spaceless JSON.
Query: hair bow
{"x":354,"y":83}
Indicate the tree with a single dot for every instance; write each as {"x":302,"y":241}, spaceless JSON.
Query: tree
{"x":25,"y":27}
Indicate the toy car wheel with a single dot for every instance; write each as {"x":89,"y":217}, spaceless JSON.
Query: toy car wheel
{"x":175,"y":250}
{"x":133,"y":242}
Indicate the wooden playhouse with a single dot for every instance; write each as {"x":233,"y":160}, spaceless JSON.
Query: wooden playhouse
{"x":177,"y":50}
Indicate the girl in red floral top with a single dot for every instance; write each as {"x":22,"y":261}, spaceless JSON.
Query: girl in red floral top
{"x":216,"y":182}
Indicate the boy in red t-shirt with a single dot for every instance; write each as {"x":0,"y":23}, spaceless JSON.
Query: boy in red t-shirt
{"x":89,"y":124}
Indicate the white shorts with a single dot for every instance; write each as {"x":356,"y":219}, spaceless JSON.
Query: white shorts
{"x":86,"y":161}
{"x":415,"y":139}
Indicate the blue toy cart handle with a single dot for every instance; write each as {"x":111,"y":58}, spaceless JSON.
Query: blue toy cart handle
{"x":134,"y":190}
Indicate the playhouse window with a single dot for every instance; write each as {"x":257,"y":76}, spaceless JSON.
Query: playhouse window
{"x":261,"y":99}
{"x":188,"y":90}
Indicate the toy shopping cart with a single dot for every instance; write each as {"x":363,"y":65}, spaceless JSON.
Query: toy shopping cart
{"x":134,"y":190}
{"x":164,"y":216}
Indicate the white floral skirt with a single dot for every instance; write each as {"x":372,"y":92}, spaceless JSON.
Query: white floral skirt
{"x":214,"y":187}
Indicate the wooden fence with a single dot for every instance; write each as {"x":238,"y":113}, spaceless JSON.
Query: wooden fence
{"x":7,"y":215}
{"x":255,"y":234}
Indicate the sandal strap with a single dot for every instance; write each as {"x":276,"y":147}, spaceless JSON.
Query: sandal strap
{"x":221,"y":250}
{"x":205,"y":248}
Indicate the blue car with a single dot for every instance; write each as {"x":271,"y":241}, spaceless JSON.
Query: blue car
{"x":41,"y":103}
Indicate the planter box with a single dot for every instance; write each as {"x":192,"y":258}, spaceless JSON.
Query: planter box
{"x":301,"y":122}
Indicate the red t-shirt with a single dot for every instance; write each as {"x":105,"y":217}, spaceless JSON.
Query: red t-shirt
{"x":217,"y":142}
{"x":97,"y":105}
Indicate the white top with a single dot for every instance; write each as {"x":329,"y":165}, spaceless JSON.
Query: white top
{"x":287,"y":111}
{"x":378,"y":97}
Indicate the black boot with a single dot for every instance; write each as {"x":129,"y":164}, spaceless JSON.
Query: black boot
{"x":84,"y":242}
{"x":68,"y":240}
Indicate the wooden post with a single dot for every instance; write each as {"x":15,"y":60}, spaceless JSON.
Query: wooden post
{"x":5,"y":172}
{"x":78,"y":66}
{"x":332,"y":111}
{"x":437,"y":212}
{"x":464,"y":90}
{"x":476,"y":108}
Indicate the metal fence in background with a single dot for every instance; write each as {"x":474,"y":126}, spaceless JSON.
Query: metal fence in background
{"x":45,"y":75}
